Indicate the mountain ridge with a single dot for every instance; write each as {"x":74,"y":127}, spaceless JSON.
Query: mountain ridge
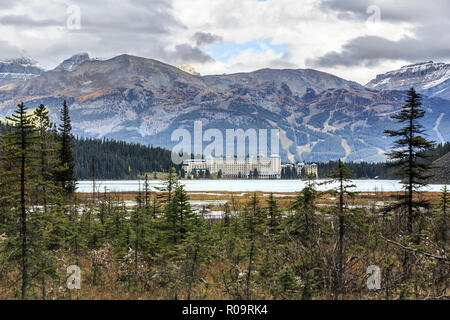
{"x":17,"y":70}
{"x":321,"y":117}
{"x":429,"y":78}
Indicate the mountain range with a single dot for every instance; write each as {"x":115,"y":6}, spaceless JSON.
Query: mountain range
{"x":321,"y":117}
{"x":18,"y":70}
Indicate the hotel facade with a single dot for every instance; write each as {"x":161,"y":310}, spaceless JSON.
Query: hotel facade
{"x":261,"y":167}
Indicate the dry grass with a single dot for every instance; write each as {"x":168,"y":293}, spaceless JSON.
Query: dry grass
{"x":284,"y":200}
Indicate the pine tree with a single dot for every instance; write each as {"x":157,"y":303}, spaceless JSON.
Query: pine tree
{"x":19,"y":161}
{"x":195,"y":251}
{"x":342,"y":175}
{"x":411,"y":150}
{"x":48,"y":222}
{"x":139,"y":234}
{"x":169,"y":186}
{"x":46,"y":154}
{"x":254,"y":222}
{"x":274,"y":215}
{"x":305,"y":208}
{"x":183,"y":211}
{"x":66,"y":172}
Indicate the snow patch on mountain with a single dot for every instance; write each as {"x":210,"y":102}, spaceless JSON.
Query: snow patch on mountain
{"x":436,"y":128}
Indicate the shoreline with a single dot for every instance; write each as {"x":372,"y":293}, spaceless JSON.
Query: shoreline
{"x":244,"y":186}
{"x":218,"y":180}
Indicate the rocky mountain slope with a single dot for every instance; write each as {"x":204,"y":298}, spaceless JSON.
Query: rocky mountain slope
{"x":429,"y":78}
{"x":73,"y":62}
{"x":441,"y":174}
{"x":18,"y":70}
{"x":321,"y":117}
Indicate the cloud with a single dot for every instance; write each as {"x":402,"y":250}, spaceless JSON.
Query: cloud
{"x":108,"y":28}
{"x":391,"y":11}
{"x":7,"y":4}
{"x":8,"y":51}
{"x":205,"y":38}
{"x":25,"y":20}
{"x":430,"y":42}
{"x":139,"y":17}
{"x":329,"y":34}
{"x":187,"y":53}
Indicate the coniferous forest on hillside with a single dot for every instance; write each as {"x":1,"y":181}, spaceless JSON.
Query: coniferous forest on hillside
{"x":118,"y":160}
{"x":322,"y":245}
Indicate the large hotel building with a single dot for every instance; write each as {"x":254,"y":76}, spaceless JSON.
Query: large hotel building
{"x":264,"y":167}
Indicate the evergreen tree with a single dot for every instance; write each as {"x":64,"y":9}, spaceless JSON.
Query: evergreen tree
{"x":410,"y":149}
{"x":18,"y":164}
{"x":304,"y":228}
{"x":342,"y":175}
{"x":254,"y":219}
{"x":274,"y":214}
{"x":46,"y":155}
{"x":195,"y":251}
{"x":48,"y":221}
{"x":305,"y":208}
{"x":138,"y":221}
{"x":66,"y":171}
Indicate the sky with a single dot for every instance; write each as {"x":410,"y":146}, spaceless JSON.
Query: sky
{"x":353,"y":39}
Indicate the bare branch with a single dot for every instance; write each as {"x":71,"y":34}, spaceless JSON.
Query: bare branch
{"x":443,"y":258}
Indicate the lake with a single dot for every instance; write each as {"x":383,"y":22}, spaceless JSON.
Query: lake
{"x":244,"y":185}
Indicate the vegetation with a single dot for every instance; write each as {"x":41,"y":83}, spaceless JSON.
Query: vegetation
{"x":160,"y":247}
{"x":65,"y":174}
{"x":117,"y":159}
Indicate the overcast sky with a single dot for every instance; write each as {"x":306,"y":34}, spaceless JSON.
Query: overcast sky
{"x":354,"y":39}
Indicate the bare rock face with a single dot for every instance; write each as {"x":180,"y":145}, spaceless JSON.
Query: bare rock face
{"x":321,"y":117}
{"x":73,"y":62}
{"x":189,"y":69}
{"x":429,"y":78}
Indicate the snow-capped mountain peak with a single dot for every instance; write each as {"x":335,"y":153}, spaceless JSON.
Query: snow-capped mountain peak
{"x":419,"y":67}
{"x":14,"y":70}
{"x":24,"y":61}
{"x":429,"y":78}
{"x":73,"y":62}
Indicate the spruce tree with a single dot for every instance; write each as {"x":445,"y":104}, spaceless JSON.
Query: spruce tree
{"x":47,"y":221}
{"x":66,"y":172}
{"x":274,"y":215}
{"x":18,"y":163}
{"x":254,"y":219}
{"x":342,"y":176}
{"x":195,"y":251}
{"x":410,"y":153}
{"x":46,"y":155}
{"x":305,"y":208}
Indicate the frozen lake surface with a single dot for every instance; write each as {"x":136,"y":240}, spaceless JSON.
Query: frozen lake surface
{"x":244,"y":185}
